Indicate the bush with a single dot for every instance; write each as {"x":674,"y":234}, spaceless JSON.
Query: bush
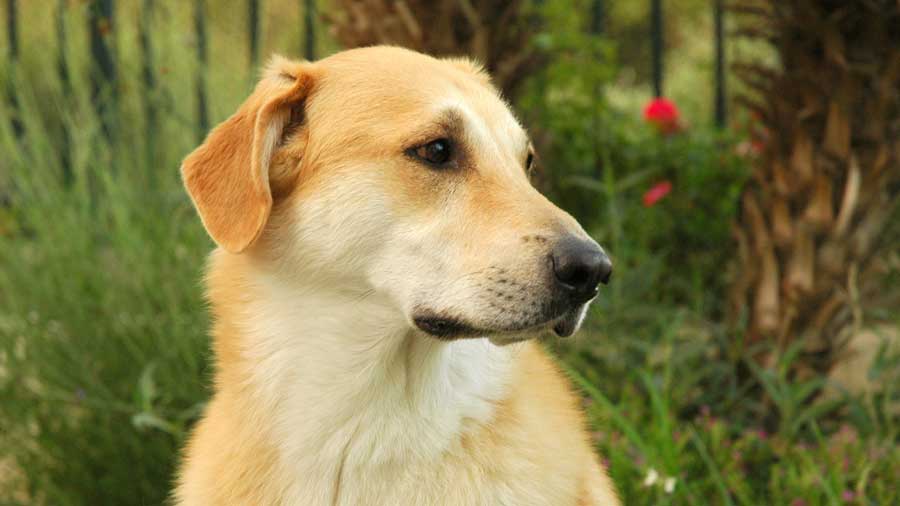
{"x":103,"y":347}
{"x":599,"y":163}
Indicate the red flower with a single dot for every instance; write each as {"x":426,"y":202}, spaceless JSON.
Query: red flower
{"x":656,"y":193}
{"x":662,"y":114}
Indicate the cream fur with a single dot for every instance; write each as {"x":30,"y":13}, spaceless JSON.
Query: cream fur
{"x":326,"y":393}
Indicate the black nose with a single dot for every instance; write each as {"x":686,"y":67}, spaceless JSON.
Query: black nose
{"x":579,"y":265}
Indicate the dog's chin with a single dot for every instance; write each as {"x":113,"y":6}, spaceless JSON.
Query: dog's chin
{"x":570,"y":322}
{"x":447,"y":327}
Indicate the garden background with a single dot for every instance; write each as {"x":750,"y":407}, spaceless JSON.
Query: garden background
{"x":740,"y":162}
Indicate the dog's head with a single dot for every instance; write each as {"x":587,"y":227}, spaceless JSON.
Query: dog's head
{"x":386,"y":171}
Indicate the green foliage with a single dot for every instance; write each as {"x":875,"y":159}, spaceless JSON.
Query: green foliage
{"x":103,"y":353}
{"x":688,"y":229}
{"x":103,"y":347}
{"x":596,"y":161}
{"x":662,"y":410}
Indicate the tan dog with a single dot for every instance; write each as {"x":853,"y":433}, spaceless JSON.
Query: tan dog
{"x":382,"y":260}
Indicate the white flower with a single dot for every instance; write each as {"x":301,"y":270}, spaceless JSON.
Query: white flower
{"x":669,"y":485}
{"x":652,"y":477}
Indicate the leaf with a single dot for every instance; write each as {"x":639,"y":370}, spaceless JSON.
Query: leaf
{"x":780,"y":177}
{"x":147,"y":420}
{"x":820,"y":213}
{"x":782,"y":225}
{"x":629,"y":181}
{"x":837,"y":131}
{"x":193,"y":412}
{"x":147,"y":391}
{"x":835,"y":48}
{"x":849,"y":200}
{"x":799,"y":281}
{"x":616,"y":415}
{"x":814,"y":412}
{"x":802,"y":157}
{"x":766,"y":379}
{"x":713,"y":469}
{"x":765,"y":305}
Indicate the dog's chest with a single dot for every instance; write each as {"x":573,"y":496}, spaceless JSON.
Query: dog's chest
{"x":461,"y":479}
{"x":469,"y":472}
{"x":394,"y":433}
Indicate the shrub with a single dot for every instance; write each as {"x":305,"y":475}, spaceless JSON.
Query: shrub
{"x":103,"y":347}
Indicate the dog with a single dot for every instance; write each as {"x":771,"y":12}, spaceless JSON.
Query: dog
{"x":383,"y":264}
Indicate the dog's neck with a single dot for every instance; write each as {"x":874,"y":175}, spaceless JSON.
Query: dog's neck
{"x":348,"y":380}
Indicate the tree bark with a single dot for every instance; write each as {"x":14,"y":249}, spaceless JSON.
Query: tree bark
{"x":496,"y":33}
{"x":827,"y":177}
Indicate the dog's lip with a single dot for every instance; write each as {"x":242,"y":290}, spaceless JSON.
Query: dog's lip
{"x":566,"y":325}
{"x":443,"y":327}
{"x":447,"y":327}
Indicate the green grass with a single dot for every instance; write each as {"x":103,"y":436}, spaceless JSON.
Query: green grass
{"x":668,"y":408}
{"x":104,"y":359}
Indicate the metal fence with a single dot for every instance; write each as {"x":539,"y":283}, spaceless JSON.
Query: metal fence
{"x":102,"y":15}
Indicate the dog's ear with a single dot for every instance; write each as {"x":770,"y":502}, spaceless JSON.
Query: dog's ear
{"x":228,"y":176}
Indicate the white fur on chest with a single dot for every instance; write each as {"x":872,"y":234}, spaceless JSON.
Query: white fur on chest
{"x":358,"y":401}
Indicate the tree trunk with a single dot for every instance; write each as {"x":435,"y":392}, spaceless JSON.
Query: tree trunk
{"x":496,"y":33}
{"x":826,"y":181}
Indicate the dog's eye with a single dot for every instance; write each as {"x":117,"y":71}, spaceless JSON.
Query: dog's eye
{"x":529,"y":161}
{"x":436,"y":152}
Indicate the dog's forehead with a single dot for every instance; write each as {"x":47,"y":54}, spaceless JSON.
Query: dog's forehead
{"x":394,"y":85}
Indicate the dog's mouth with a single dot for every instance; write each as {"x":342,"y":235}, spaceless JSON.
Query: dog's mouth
{"x":569,"y":322}
{"x":444,"y":327}
{"x":447,"y":327}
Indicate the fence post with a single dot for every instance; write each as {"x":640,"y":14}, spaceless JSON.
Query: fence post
{"x":253,"y":32}
{"x":12,"y":28}
{"x":597,"y":22}
{"x":656,"y":34}
{"x":148,"y":76}
{"x":103,"y":65}
{"x":12,"y":32}
{"x":62,"y":67}
{"x":309,"y":17}
{"x":721,"y":111}
{"x":598,"y":18}
{"x":62,"y":64}
{"x":200,"y":29}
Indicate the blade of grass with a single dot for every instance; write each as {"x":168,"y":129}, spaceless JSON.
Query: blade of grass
{"x":624,"y":425}
{"x":713,"y":470}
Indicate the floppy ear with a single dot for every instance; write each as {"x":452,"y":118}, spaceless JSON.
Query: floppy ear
{"x":228,"y":176}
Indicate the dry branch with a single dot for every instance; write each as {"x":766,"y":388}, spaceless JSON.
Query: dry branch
{"x":828,"y":177}
{"x":495,"y":33}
